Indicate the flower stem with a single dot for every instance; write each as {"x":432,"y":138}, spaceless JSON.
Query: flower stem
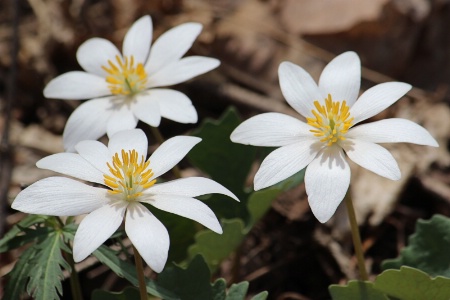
{"x":356,"y":237}
{"x":140,"y":274}
{"x":158,"y":136}
{"x":75,"y":286}
{"x":74,"y":281}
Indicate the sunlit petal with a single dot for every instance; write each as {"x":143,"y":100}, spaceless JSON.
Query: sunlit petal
{"x":96,"y":228}
{"x":148,"y":235}
{"x":392,"y":131}
{"x":285,"y":162}
{"x":372,"y":157}
{"x":271,"y":130}
{"x":190,"y":187}
{"x":59,"y":196}
{"x":189,"y":208}
{"x":170,"y":153}
{"x":377,"y":99}
{"x":298,"y":87}
{"x":341,"y":78}
{"x":327,"y":179}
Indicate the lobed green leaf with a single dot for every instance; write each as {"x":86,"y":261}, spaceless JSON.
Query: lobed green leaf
{"x":20,"y":235}
{"x":356,"y":290}
{"x":215,"y":247}
{"x":428,"y":248}
{"x":412,"y":284}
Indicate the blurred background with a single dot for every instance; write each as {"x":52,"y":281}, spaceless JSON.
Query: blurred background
{"x":289,"y":253}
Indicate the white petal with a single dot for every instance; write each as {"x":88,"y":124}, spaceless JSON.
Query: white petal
{"x":182,"y":70}
{"x":148,"y":235}
{"x":138,"y":39}
{"x":87,"y":122}
{"x":377,"y":99}
{"x":171,"y":46}
{"x":271,"y":130}
{"x":95,"y":53}
{"x":60,"y":196}
{"x":175,"y":106}
{"x":146,"y":108}
{"x":190,"y":187}
{"x":76,"y":85}
{"x":134,"y":139}
{"x":392,"y":131}
{"x":298,"y":88}
{"x":284,"y":162}
{"x":96,"y":153}
{"x":342,"y":78}
{"x":373,"y":157}
{"x":121,"y":119}
{"x":170,"y":153}
{"x":189,"y":208}
{"x":326,"y":180}
{"x":96,"y":228}
{"x":71,"y":164}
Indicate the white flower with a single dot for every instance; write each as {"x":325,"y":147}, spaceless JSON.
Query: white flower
{"x":331,"y":111}
{"x":131,"y":180}
{"x":126,"y":85}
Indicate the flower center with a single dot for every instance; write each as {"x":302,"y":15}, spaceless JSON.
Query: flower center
{"x":124,"y":77}
{"x":331,"y":121}
{"x":130,"y":176}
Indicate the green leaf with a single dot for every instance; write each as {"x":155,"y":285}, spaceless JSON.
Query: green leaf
{"x":219,"y":289}
{"x":215,"y":247}
{"x":128,"y":271}
{"x":412,"y":284}
{"x":189,"y":284}
{"x":46,"y":276}
{"x":40,"y":265}
{"x":428,"y":248}
{"x":18,"y":277}
{"x":19,"y":236}
{"x":259,"y":203}
{"x":356,"y":290}
{"x":226,"y":162}
{"x":238,"y":291}
{"x":193,"y":283}
{"x":261,"y":296}
{"x":127,"y":294}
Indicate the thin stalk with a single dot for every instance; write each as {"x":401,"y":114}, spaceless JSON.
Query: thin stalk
{"x":158,"y":136}
{"x":356,"y":237}
{"x":140,"y":274}
{"x":75,"y":286}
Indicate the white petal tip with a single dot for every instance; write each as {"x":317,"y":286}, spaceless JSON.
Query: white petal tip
{"x":157,"y":269}
{"x":433,"y":143}
{"x":323,"y":216}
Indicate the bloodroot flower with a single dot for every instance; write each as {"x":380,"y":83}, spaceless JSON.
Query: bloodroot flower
{"x":126,"y":85}
{"x":131,"y":181}
{"x":331,"y":110}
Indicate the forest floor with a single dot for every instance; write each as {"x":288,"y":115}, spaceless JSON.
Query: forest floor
{"x":288,"y":253}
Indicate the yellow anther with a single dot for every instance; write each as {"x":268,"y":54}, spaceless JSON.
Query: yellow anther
{"x":124,"y":76}
{"x":129,"y":175}
{"x":331,"y":121}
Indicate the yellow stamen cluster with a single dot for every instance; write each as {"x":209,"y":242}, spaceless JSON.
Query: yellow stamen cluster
{"x":130,"y":176}
{"x":124,"y":77}
{"x":332,"y":120}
